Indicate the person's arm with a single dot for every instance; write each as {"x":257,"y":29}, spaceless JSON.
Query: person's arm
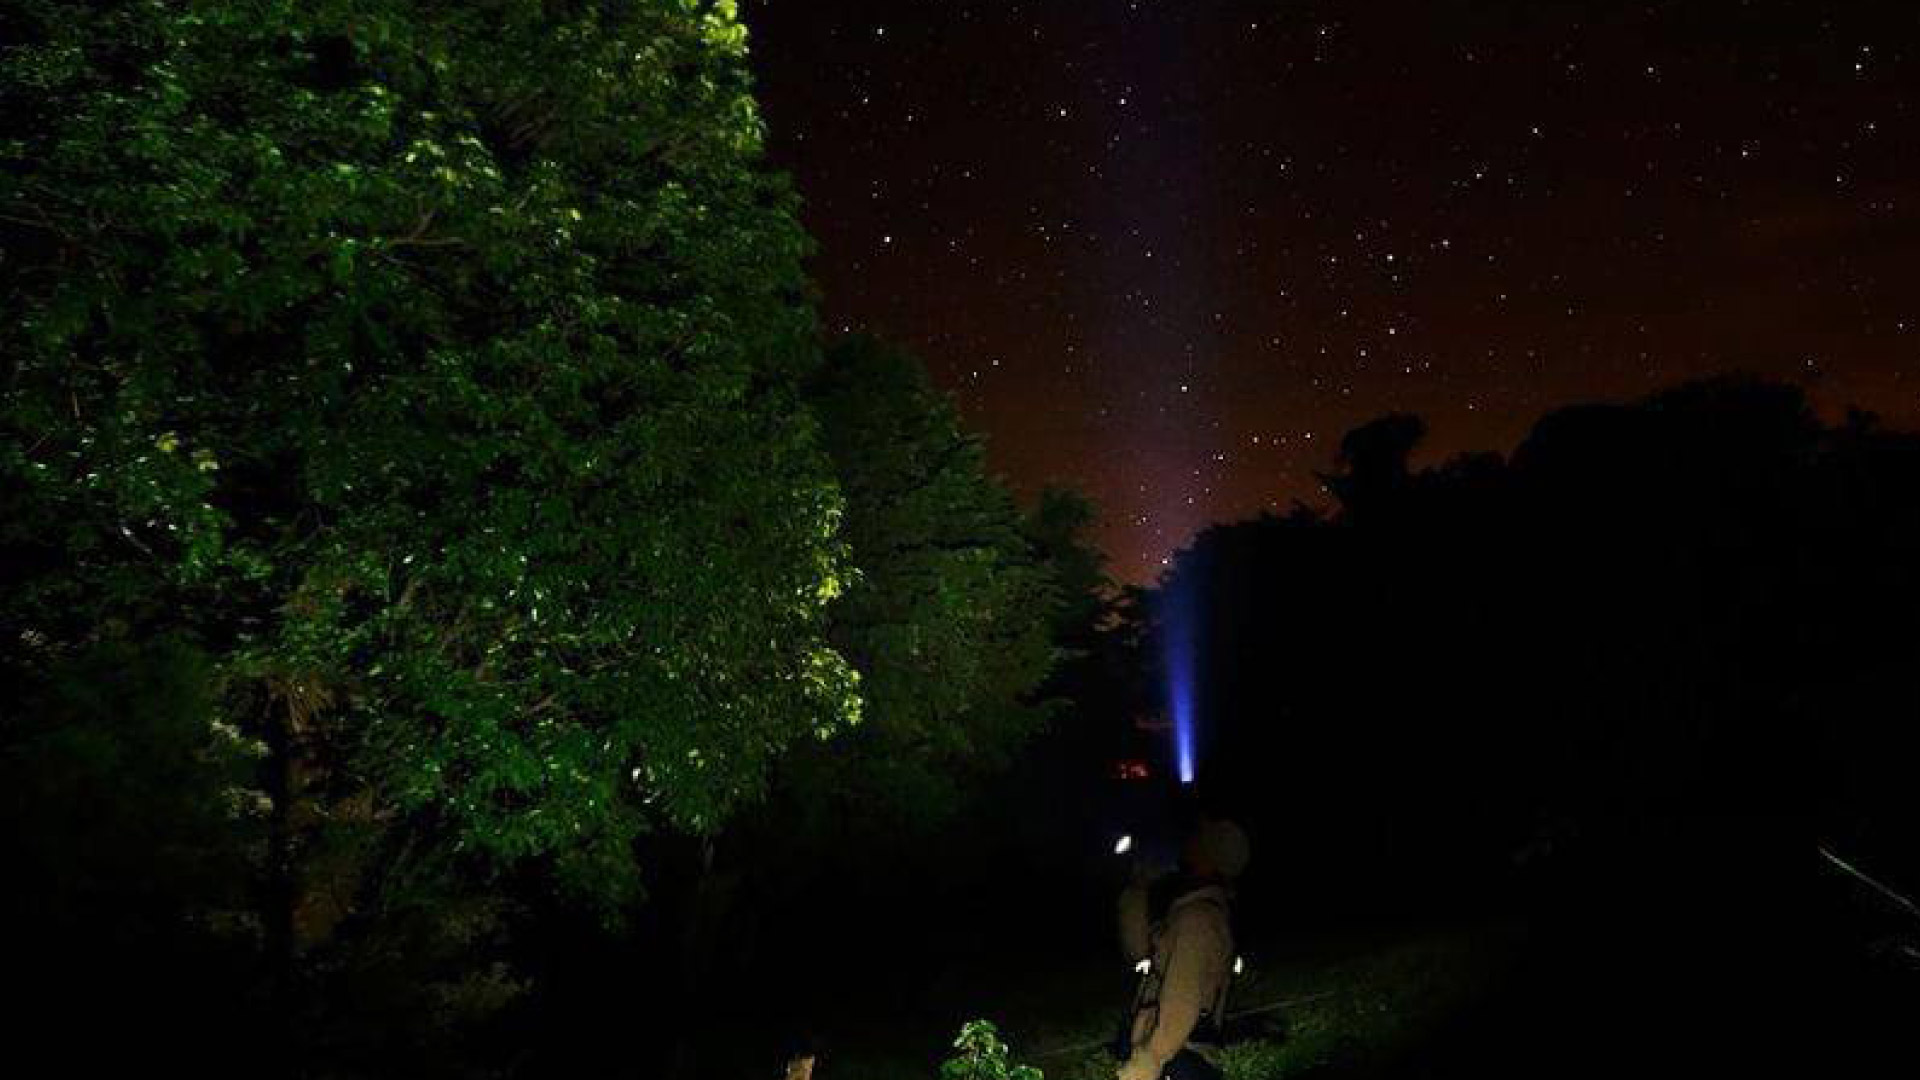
{"x":1196,"y":962}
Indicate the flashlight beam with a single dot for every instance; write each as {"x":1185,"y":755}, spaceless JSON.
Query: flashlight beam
{"x":1179,"y":627}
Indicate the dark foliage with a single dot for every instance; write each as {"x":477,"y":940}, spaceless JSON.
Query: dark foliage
{"x":1625,"y":682}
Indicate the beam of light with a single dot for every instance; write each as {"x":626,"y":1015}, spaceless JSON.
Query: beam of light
{"x":1183,"y":735}
{"x":1177,"y":629}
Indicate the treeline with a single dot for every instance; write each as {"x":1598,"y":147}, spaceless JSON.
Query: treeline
{"x":1656,"y":655}
{"x":436,"y":542}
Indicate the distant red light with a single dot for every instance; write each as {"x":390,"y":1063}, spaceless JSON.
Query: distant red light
{"x":1131,"y":770}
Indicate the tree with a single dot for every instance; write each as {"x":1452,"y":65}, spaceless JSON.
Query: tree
{"x":952,"y":616}
{"x":949,"y":617}
{"x":434,"y":368}
{"x":1376,"y":457}
{"x":1060,"y":528}
{"x":1677,"y":613}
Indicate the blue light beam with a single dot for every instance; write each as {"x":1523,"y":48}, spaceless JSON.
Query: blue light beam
{"x":1179,"y":653}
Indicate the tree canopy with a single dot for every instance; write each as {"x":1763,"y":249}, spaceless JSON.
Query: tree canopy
{"x":949,"y":615}
{"x":1684,"y":609}
{"x":435,"y":368}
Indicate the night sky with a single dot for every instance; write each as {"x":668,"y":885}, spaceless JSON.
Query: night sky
{"x":1168,"y":251}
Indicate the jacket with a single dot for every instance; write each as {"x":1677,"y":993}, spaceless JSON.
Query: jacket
{"x":1183,"y":993}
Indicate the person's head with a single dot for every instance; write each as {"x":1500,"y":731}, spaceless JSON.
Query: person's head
{"x":1216,"y":850}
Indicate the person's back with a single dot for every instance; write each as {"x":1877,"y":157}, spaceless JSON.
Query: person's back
{"x":1181,"y":1003}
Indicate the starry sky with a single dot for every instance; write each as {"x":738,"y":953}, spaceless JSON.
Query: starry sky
{"x":1169,"y":251}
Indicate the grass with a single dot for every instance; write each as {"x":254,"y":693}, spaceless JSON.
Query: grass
{"x":1341,"y":1009}
{"x":1351,"y":1016}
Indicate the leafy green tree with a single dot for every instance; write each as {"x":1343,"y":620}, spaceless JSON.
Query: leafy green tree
{"x":954,"y":616}
{"x":1060,"y":528}
{"x":950,"y":616}
{"x":434,"y":367}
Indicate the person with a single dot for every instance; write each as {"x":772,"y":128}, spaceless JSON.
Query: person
{"x":1181,"y":932}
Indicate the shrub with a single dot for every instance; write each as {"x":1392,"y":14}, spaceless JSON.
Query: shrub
{"x":983,"y":1056}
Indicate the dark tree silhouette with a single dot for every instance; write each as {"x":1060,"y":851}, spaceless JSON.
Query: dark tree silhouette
{"x":1688,"y":608}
